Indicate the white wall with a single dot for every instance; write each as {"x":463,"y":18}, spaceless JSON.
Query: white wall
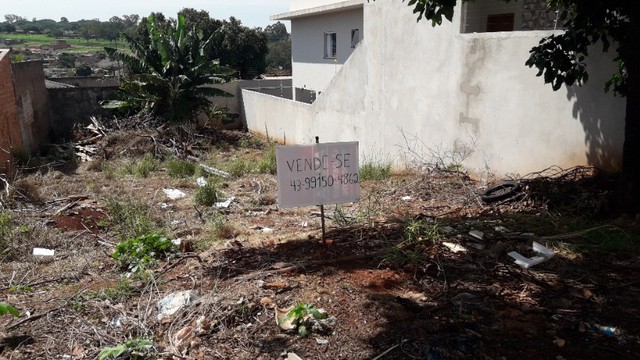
{"x":306,"y":4}
{"x":311,"y":70}
{"x":434,"y":90}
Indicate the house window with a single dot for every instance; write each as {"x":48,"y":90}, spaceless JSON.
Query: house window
{"x":355,"y":37}
{"x":500,"y":22}
{"x":330,"y":45}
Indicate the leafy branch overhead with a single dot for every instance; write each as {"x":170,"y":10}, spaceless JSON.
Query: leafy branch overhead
{"x":168,"y":73}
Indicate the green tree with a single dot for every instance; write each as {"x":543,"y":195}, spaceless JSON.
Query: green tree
{"x":241,"y":48}
{"x":561,"y":59}
{"x":67,"y":60}
{"x":279,"y":55}
{"x":168,"y":73}
{"x":83,"y":70}
{"x":276,"y":32}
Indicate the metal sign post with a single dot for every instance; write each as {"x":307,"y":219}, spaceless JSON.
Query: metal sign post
{"x":324,"y":234}
{"x":318,"y":174}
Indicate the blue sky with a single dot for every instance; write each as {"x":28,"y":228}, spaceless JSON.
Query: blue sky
{"x":251,"y":12}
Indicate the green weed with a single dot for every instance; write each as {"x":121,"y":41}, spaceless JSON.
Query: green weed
{"x":375,"y":172}
{"x":421,"y":230}
{"x":141,"y":252}
{"x":206,"y":195}
{"x":6,"y":308}
{"x":300,"y":316}
{"x":136,"y":348}
{"x":145,"y":166}
{"x":179,"y":169}
{"x":130,"y":218}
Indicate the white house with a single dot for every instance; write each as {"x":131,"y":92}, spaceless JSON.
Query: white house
{"x":411,"y":93}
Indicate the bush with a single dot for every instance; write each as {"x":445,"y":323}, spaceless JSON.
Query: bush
{"x":206,"y":195}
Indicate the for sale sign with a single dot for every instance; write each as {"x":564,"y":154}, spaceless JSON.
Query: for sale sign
{"x":317,"y":174}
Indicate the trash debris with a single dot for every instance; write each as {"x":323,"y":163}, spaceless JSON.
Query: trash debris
{"x":267,"y":230}
{"x":201,"y":181}
{"x":447,"y":229}
{"x":170,"y":304}
{"x":290,"y":356}
{"x":225,"y":204}
{"x":545,"y":254}
{"x":215,"y":171}
{"x":407,"y":198}
{"x":176,"y":242}
{"x":476,"y":234}
{"x":321,"y":341}
{"x":285,"y":322}
{"x":304,"y":224}
{"x":43,"y":252}
{"x":502,"y":229}
{"x":608,"y":330}
{"x":456,"y":248}
{"x":507,"y":190}
{"x":560,"y":342}
{"x":174,"y":194}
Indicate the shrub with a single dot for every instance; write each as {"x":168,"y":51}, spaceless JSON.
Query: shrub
{"x":206,"y":195}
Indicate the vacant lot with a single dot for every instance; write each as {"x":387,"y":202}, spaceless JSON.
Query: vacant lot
{"x":399,"y":278}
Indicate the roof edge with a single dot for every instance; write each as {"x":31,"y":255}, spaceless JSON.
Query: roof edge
{"x":319,"y":10}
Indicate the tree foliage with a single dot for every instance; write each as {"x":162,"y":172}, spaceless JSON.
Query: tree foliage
{"x":167,"y":70}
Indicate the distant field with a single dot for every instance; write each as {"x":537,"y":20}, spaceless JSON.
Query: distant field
{"x":77,"y":45}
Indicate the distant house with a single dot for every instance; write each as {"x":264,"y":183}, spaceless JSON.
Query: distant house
{"x":417,"y":95}
{"x":60,"y":44}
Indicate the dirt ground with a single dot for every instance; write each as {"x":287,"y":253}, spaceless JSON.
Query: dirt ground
{"x":400,"y":276}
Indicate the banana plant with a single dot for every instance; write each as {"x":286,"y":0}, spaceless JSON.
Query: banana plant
{"x":168,"y":74}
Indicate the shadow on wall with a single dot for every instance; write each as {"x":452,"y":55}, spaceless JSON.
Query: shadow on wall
{"x":603,"y":125}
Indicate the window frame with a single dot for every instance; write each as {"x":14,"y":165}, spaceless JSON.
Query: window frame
{"x":330,"y":45}
{"x":355,"y":32}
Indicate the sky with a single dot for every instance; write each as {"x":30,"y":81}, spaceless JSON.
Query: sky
{"x":251,"y":13}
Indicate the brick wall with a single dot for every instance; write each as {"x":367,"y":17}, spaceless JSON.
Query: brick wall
{"x":10,"y":136}
{"x":33,"y":104}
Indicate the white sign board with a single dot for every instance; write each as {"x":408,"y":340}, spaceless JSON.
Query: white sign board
{"x":318,"y":174}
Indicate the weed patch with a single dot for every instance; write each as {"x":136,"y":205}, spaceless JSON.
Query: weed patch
{"x":130,"y":219}
{"x":179,"y":169}
{"x":375,"y":172}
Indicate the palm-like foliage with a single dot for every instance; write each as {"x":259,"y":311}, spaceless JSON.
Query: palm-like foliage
{"x":168,"y":71}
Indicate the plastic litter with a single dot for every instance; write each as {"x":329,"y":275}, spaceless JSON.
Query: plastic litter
{"x":172,"y":303}
{"x":608,"y":330}
{"x":407,"y":198}
{"x":225,"y":204}
{"x":43,"y":252}
{"x":456,"y":248}
{"x":201,"y":181}
{"x":525,"y":262}
{"x":174,"y":194}
{"x":477,"y":234}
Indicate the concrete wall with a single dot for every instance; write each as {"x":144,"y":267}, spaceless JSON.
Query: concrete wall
{"x":451,"y":96}
{"x":312,"y":70}
{"x":88,"y":81}
{"x":70,"y":106}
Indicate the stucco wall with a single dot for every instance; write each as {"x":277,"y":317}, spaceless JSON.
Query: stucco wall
{"x":314,"y":71}
{"x":413,"y":88}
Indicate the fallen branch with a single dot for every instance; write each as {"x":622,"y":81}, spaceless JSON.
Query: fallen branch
{"x":215,"y":171}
